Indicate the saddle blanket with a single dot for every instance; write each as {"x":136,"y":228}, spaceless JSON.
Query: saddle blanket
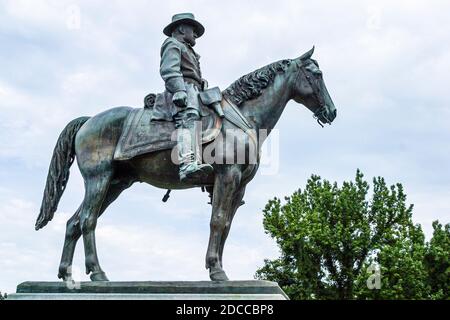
{"x":141,"y":136}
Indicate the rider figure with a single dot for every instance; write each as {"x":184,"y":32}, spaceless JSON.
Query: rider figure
{"x":180,"y":70}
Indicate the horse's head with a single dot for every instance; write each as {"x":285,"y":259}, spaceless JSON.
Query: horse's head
{"x":309,"y":89}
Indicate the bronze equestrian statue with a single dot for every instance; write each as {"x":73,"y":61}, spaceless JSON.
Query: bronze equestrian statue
{"x":255,"y":101}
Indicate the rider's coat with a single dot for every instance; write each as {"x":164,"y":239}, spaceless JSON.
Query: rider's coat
{"x":180,"y":70}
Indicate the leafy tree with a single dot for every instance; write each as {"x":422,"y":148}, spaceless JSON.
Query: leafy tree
{"x":328,"y":236}
{"x":437,"y":261}
{"x":3,"y":297}
{"x":402,"y":267}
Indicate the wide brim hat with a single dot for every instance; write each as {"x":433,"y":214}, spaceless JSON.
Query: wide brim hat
{"x":184,"y":18}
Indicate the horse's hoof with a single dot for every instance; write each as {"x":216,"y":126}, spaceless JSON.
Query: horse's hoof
{"x":99,"y":276}
{"x":217,"y":275}
{"x":65,"y":277}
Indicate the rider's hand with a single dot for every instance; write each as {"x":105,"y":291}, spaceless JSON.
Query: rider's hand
{"x":180,"y":98}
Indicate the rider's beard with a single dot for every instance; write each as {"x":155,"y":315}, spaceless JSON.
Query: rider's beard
{"x":190,"y":41}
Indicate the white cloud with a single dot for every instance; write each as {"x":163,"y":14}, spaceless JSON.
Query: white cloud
{"x":33,"y":12}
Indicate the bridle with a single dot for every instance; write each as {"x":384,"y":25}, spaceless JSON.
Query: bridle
{"x":321,"y":112}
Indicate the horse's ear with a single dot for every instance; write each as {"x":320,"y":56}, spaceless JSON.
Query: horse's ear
{"x":307,"y":55}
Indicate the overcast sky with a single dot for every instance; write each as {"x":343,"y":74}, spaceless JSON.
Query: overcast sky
{"x":386,"y":65}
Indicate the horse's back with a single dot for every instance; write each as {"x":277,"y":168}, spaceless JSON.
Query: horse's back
{"x":97,"y":139}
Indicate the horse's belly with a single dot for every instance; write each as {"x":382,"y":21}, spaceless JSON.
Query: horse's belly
{"x":158,"y":169}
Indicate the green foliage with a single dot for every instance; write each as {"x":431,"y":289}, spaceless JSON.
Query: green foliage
{"x":330,"y":235}
{"x":401,"y":262}
{"x":3,"y":297}
{"x":437,"y":261}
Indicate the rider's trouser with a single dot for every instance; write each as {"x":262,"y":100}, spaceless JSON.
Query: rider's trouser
{"x":188,"y":125}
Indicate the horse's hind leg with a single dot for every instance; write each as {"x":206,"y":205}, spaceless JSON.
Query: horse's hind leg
{"x":73,"y":233}
{"x":96,"y":191}
{"x":73,"y":229}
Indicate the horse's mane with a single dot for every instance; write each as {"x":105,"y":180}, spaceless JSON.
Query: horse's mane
{"x":251,"y":85}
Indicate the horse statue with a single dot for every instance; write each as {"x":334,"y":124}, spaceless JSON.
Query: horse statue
{"x":260,"y":96}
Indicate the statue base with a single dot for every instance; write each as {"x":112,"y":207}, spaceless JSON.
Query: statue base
{"x":150,"y":290}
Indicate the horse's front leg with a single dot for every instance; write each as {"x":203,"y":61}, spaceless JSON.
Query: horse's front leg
{"x":237,"y":202}
{"x":226,"y":188}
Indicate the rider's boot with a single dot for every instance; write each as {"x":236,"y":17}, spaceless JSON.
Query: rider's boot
{"x":189,"y":152}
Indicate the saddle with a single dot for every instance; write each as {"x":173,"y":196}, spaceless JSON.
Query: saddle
{"x":140,"y":135}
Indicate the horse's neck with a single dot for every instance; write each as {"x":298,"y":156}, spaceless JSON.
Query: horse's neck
{"x":266,"y":110}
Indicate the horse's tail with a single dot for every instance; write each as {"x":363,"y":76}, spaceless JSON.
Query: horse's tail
{"x":58,"y":173}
